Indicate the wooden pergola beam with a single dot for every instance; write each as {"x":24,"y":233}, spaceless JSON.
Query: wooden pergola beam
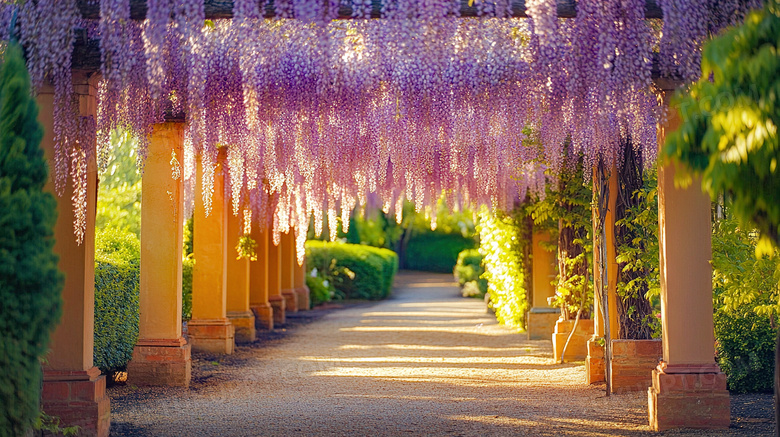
{"x":224,"y":9}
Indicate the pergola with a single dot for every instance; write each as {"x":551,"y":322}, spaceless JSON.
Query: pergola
{"x":232,"y":298}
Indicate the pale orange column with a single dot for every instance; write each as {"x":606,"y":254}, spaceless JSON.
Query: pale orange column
{"x":287,"y":247}
{"x":688,"y":390}
{"x":275,"y":297}
{"x":542,"y":316}
{"x":73,"y":388}
{"x":238,"y":284}
{"x":161,"y":356}
{"x":595,"y":362}
{"x":210,"y":330}
{"x":258,"y":281}
{"x":299,"y":280}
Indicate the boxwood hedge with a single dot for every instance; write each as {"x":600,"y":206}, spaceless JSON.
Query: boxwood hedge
{"x":360,"y":272}
{"x":117,"y":277}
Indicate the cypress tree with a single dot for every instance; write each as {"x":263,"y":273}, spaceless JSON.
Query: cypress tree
{"x":30,"y":283}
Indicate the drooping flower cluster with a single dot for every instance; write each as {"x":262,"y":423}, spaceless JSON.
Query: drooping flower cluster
{"x":319,"y":115}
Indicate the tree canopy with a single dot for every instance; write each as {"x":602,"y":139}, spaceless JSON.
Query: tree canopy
{"x":730,"y":119}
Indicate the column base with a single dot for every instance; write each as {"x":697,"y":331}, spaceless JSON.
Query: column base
{"x":594,"y":363}
{"x":633,"y":362}
{"x":244,"y":325}
{"x":215,"y":336}
{"x":78,"y":398}
{"x":291,"y":300}
{"x":688,"y":396}
{"x":578,"y":349}
{"x":303,"y":298}
{"x":541,"y":322}
{"x":163,"y":362}
{"x":278,"y":304}
{"x":264,"y":316}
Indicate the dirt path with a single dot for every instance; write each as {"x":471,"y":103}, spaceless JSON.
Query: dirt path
{"x":425,"y":362}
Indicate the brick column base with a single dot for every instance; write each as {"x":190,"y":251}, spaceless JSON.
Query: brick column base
{"x":303,"y":298}
{"x":279,"y":306}
{"x":78,"y":398}
{"x":264,"y":316}
{"x":541,"y":322}
{"x":165,"y":362}
{"x":291,"y":300}
{"x":594,"y":363}
{"x":244,"y":325}
{"x":688,"y":396}
{"x":212,"y":335}
{"x":633,"y":362}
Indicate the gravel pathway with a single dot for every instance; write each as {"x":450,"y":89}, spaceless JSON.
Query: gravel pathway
{"x":424,"y":362}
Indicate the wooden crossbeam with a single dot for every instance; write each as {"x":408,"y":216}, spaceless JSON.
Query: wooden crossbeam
{"x":224,"y":9}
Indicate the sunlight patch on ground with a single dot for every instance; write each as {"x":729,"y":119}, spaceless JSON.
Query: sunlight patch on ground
{"x":430,"y":285}
{"x":470,"y":330}
{"x":453,"y":322}
{"x":449,"y":314}
{"x":525,"y":360}
{"x":426,"y":347}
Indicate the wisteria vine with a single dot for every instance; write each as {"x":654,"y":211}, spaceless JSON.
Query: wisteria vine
{"x":321,"y":115}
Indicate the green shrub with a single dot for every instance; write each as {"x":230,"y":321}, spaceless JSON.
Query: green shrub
{"x":745,"y":298}
{"x":187,"y":264}
{"x":360,"y":272}
{"x":746,"y":350}
{"x":321,"y":290}
{"x":468,"y":272}
{"x":434,"y":251}
{"x":117,"y":278}
{"x":30,"y":283}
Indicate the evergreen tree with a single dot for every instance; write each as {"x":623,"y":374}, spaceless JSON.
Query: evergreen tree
{"x":30,"y":283}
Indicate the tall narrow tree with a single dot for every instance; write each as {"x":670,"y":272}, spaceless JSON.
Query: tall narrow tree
{"x":30,"y":283}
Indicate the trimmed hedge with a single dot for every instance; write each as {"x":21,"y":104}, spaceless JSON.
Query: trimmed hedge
{"x":435,"y":251}
{"x":360,"y":272}
{"x":117,"y":277}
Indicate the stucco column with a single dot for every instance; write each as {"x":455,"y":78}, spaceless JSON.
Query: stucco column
{"x":688,"y":390}
{"x":275,"y":297}
{"x":299,"y":281}
{"x":287,"y":247}
{"x":161,"y":356}
{"x":73,"y":388}
{"x":258,"y":281}
{"x":542,"y":316}
{"x":210,"y":330}
{"x":238,"y":284}
{"x":595,"y":362}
